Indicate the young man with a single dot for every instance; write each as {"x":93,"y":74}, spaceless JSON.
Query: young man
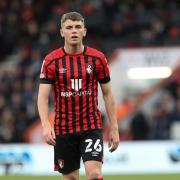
{"x":73,"y":73}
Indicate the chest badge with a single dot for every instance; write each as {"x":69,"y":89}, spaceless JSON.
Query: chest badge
{"x":89,"y":68}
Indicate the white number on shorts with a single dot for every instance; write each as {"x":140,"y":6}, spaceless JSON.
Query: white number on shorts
{"x":97,"y":145}
{"x":88,"y":147}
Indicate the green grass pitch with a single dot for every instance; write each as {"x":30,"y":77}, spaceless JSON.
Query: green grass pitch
{"x":115,"y":177}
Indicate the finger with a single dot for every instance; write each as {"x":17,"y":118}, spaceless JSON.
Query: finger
{"x":113,"y":147}
{"x":52,"y":141}
{"x":52,"y":137}
{"x":53,"y":134}
{"x":110,"y":146}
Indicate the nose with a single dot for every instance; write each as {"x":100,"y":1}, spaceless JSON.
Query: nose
{"x":74,"y":30}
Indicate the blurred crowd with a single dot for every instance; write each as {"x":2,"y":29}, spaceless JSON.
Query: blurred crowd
{"x":157,"y":120}
{"x":125,"y":23}
{"x":30,"y":29}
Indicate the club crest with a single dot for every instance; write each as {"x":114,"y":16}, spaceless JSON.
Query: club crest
{"x":61,"y":163}
{"x":89,"y":68}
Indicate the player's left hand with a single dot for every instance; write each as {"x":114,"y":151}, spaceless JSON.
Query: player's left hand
{"x":113,"y":139}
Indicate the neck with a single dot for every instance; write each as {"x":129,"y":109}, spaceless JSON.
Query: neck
{"x":76,"y":49}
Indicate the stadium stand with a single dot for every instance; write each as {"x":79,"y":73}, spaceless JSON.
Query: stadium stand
{"x":29,"y":30}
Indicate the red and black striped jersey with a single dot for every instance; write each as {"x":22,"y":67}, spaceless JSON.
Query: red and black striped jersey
{"x":74,"y":79}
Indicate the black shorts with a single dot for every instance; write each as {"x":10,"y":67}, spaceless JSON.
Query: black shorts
{"x":70,"y":149}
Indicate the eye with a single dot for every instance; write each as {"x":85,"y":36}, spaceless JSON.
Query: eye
{"x":68,"y":27}
{"x":78,"y":26}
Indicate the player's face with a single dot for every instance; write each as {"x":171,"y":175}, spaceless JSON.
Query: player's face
{"x":73,"y":32}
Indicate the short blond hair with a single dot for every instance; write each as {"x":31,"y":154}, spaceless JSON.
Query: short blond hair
{"x":74,"y":16}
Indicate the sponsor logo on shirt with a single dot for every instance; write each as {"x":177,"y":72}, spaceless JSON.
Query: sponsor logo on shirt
{"x":76,"y":84}
{"x":76,"y":93}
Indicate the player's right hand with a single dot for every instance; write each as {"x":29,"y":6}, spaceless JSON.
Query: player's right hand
{"x":49,"y":135}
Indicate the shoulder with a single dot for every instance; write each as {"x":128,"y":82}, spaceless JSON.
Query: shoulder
{"x":55,"y":54}
{"x":94,"y":52}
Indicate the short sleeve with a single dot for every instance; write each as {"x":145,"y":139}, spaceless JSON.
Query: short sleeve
{"x":47,"y":75}
{"x":103,"y":70}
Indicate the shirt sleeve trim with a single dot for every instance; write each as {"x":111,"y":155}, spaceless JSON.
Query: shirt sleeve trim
{"x":104,"y":80}
{"x":46,"y":81}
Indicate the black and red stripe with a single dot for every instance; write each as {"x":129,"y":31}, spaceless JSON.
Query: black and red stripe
{"x":76,"y":105}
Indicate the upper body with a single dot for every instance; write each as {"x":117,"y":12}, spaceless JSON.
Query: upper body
{"x":74,"y":80}
{"x":73,"y":72}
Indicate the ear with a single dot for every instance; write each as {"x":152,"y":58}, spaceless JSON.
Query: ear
{"x":85,"y":31}
{"x":61,"y":33}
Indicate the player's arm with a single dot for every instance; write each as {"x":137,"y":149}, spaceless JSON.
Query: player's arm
{"x":43,"y":96}
{"x":111,"y":112}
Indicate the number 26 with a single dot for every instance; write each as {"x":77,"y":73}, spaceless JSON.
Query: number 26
{"x":97,"y":146}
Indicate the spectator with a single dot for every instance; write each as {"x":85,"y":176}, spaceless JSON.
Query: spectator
{"x":139,"y":127}
{"x":29,"y":29}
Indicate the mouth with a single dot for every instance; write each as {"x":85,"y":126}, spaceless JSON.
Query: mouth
{"x":74,"y":37}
